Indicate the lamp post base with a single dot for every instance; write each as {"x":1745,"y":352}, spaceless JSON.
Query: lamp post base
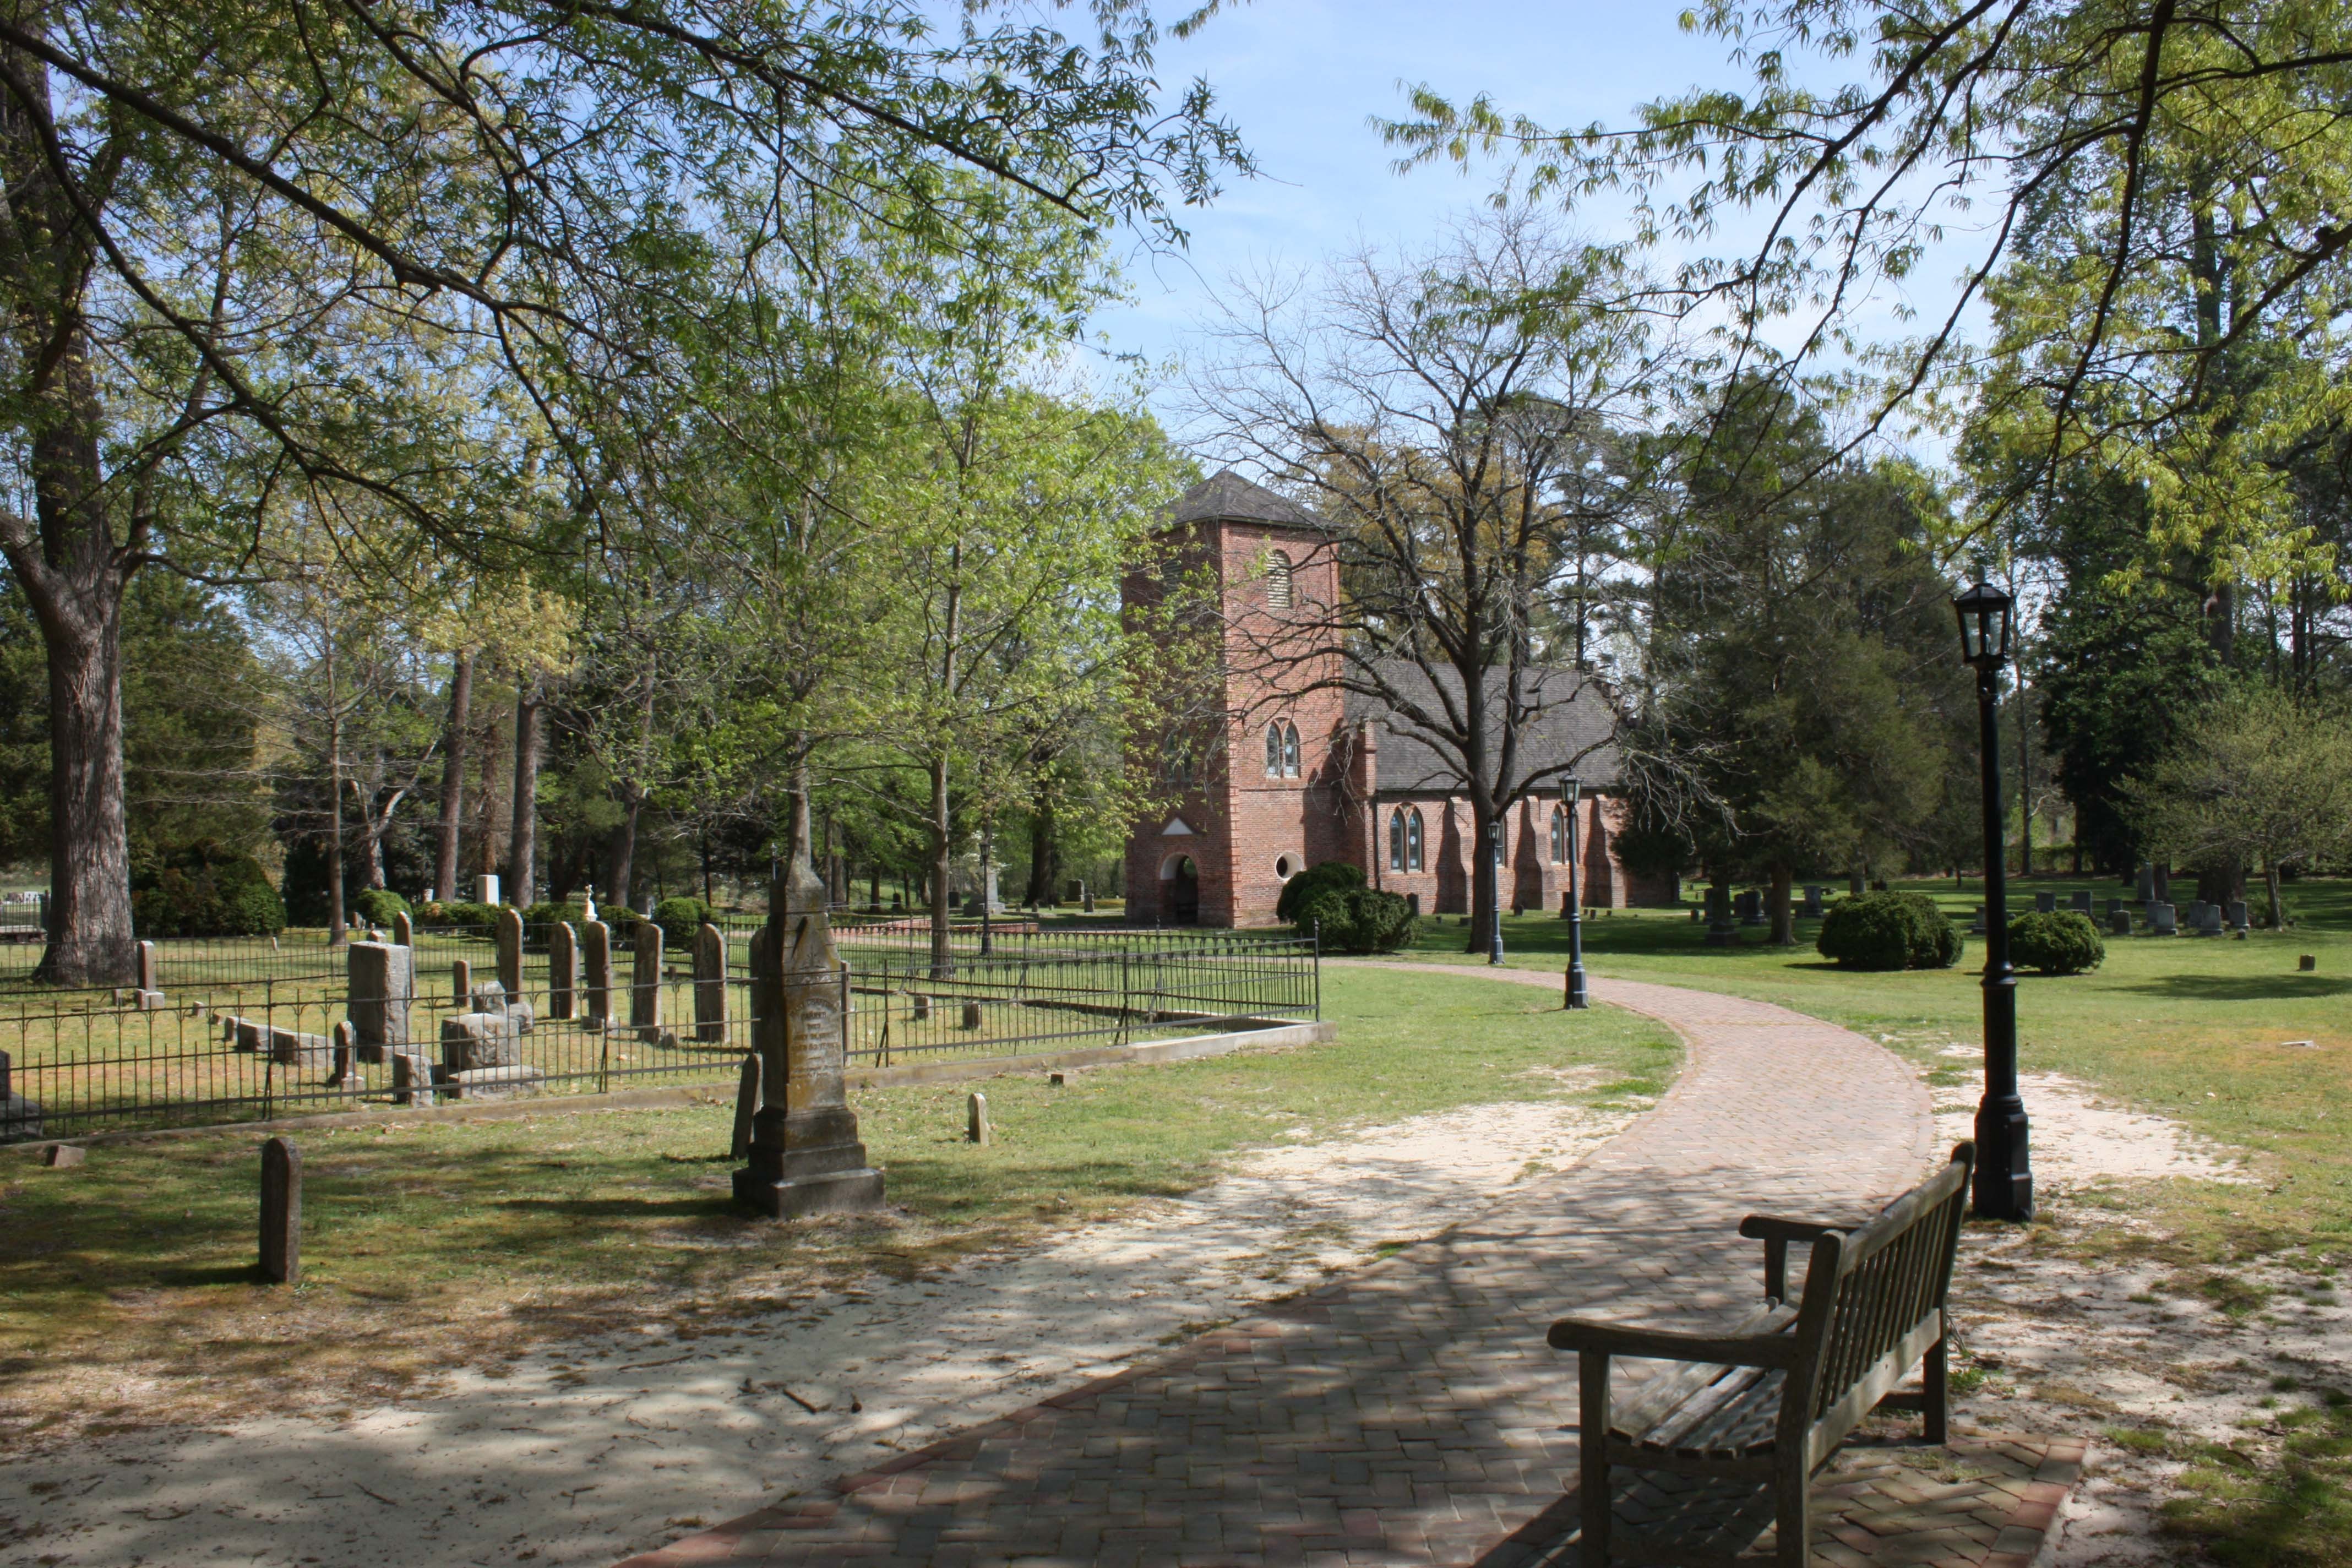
{"x":2003,"y":1188}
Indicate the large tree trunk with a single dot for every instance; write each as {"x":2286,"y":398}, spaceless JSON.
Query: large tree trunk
{"x":942,"y":828}
{"x":2276,"y":896}
{"x":1784,"y":916}
{"x":89,"y":936}
{"x":522,"y":839}
{"x":335,"y":795}
{"x":625,"y":848}
{"x":453,"y":776}
{"x":1044,"y":853}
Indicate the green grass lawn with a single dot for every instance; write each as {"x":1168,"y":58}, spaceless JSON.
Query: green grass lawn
{"x":434,"y":1242}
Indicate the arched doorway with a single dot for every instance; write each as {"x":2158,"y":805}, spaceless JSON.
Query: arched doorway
{"x":1179,"y":891}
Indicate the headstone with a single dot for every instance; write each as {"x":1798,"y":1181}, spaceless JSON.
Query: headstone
{"x":971,"y":1015}
{"x":2115,"y":906}
{"x":515,"y":1081}
{"x":347,"y":1052}
{"x":147,"y":1001}
{"x":1087,"y":904}
{"x":562,"y":969}
{"x":412,"y":1079}
{"x":461,"y":982}
{"x":2081,"y":901}
{"x":2144,"y":886}
{"x":486,"y":997}
{"x":920,"y":1011}
{"x":293,"y":1049}
{"x":281,"y":1213}
{"x":403,"y":930}
{"x":975,"y":1120}
{"x":2159,"y":919}
{"x":1567,"y":903}
{"x":150,"y":972}
{"x":1812,"y":908}
{"x":596,"y":982}
{"x":2307,"y":963}
{"x":510,"y":950}
{"x":2237,"y":915}
{"x":1750,"y":905}
{"x":20,"y":1118}
{"x":747,"y":1105}
{"x":2044,"y":903}
{"x":2118,"y":921}
{"x":472,"y":1040}
{"x":1719,"y":917}
{"x":1412,"y":904}
{"x":709,"y":983}
{"x":1976,"y":924}
{"x":65,"y":1156}
{"x":244,"y":1033}
{"x":806,"y":1156}
{"x":487,"y":889}
{"x":383,"y":987}
{"x":2206,"y":920}
{"x":645,"y":987}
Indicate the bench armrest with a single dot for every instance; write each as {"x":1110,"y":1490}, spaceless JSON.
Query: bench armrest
{"x":1590,"y":1335}
{"x":1777,"y":1234}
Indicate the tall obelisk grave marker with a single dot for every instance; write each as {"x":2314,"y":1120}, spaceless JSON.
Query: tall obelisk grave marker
{"x":806,"y":1154}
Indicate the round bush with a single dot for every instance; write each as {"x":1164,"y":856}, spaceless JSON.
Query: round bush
{"x":204,"y":889}
{"x":1331,"y":877}
{"x":376,"y":906}
{"x":2059,"y":942}
{"x":679,"y":919}
{"x":1889,"y":931}
{"x":1355,"y":919}
{"x":478,"y":920}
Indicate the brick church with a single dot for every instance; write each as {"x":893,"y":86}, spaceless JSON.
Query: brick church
{"x":1298,"y":775}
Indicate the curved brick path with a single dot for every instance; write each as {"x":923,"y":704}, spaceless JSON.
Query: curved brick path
{"x":1410,"y":1413}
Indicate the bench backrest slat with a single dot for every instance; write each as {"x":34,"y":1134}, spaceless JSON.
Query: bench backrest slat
{"x":1892,"y":1276}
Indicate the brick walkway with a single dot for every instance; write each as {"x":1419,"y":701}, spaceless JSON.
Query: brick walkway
{"x":1412,"y":1412}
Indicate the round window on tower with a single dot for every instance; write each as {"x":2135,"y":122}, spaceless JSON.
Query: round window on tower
{"x":1283,"y":867}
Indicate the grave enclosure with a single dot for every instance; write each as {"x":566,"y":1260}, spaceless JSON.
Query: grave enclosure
{"x":258,"y":1030}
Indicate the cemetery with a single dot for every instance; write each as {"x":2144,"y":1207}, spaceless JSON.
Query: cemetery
{"x":1205,"y":785}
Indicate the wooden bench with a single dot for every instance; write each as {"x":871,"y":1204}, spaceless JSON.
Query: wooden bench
{"x":1773,"y":1397}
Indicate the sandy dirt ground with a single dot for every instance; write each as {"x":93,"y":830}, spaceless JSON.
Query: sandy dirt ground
{"x":2069,"y":1347}
{"x":608,"y":1446}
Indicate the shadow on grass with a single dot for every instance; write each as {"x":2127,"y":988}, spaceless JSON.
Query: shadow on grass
{"x":2240,"y":987}
{"x":623,"y":1208}
{"x":209,"y":1274}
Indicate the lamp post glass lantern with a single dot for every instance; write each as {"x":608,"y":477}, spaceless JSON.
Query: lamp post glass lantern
{"x":1570,"y":787}
{"x":2004,"y":1175}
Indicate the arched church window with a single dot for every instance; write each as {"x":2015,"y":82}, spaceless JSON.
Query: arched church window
{"x":1560,"y":835}
{"x":1278,"y":581}
{"x":1396,"y":840}
{"x":1412,"y":842}
{"x":1274,"y":750}
{"x":1290,"y":750}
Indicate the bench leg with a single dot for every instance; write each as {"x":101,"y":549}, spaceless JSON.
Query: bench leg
{"x":1593,"y":1457}
{"x":1935,"y":1381}
{"x":1792,"y":1514}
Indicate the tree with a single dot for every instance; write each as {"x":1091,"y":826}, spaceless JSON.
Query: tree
{"x":1457,"y":419}
{"x":2257,"y":776}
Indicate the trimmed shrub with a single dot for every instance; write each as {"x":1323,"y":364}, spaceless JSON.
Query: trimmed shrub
{"x":1331,"y":877}
{"x":376,"y":906}
{"x":1889,"y":931}
{"x":478,"y":920}
{"x":2060,"y":942}
{"x":204,"y":889}
{"x":679,"y":918}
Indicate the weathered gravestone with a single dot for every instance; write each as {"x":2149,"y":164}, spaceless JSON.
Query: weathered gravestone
{"x":975,"y":1120}
{"x":473,"y":1040}
{"x":1976,"y":922}
{"x":281,"y":1213}
{"x":596,"y":979}
{"x":1750,"y":905}
{"x":2208,"y":919}
{"x":646,"y":987}
{"x":2192,"y":919}
{"x":412,"y":1079}
{"x":562,"y":969}
{"x":403,"y":930}
{"x":1719,"y":917}
{"x":2081,"y":902}
{"x":971,"y":1017}
{"x":151,"y":976}
{"x":2237,"y":914}
{"x":510,"y":950}
{"x":2045,"y":903}
{"x":747,"y":1106}
{"x":20,"y":1118}
{"x":2159,"y":919}
{"x":709,"y":983}
{"x":1812,"y":908}
{"x":486,"y":997}
{"x":510,"y":1082}
{"x":2119,"y":922}
{"x":807,"y":1157}
{"x":2114,"y":907}
{"x":382,"y":989}
{"x":347,"y":1053}
{"x":461,"y":981}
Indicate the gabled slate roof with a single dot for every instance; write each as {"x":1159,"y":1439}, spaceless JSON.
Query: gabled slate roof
{"x":1226,"y":495}
{"x":1573,"y":712}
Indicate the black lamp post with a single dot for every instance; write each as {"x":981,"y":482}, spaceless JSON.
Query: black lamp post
{"x":1570,"y":788}
{"x":2004,"y":1176}
{"x":1495,"y":894}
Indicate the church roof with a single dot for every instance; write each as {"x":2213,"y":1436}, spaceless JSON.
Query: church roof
{"x":1574,"y":712}
{"x":1226,"y":496}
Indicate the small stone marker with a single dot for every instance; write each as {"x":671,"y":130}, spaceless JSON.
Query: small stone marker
{"x":65,"y":1156}
{"x":346,"y":1052}
{"x":471,"y":1041}
{"x":2119,"y":922}
{"x":975,"y":1120}
{"x":646,"y":990}
{"x":747,"y":1106}
{"x":486,"y":997}
{"x":562,"y":969}
{"x":281,"y":1213}
{"x":461,"y":981}
{"x":1977,"y":923}
{"x":1055,"y":1078}
{"x":596,"y":983}
{"x":20,"y":1119}
{"x":709,"y":983}
{"x":971,"y":1015}
{"x":2237,"y":914}
{"x":510,"y":950}
{"x":412,"y":1079}
{"x":403,"y":930}
{"x":921,"y":1010}
{"x":512,"y":1082}
{"x":150,"y":971}
{"x":2160,"y":919}
{"x":2307,"y":963}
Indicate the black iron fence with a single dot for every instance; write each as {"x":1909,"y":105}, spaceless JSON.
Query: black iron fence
{"x":238,"y":1031}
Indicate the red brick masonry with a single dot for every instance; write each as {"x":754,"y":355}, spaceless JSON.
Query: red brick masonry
{"x":1413,"y":1414}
